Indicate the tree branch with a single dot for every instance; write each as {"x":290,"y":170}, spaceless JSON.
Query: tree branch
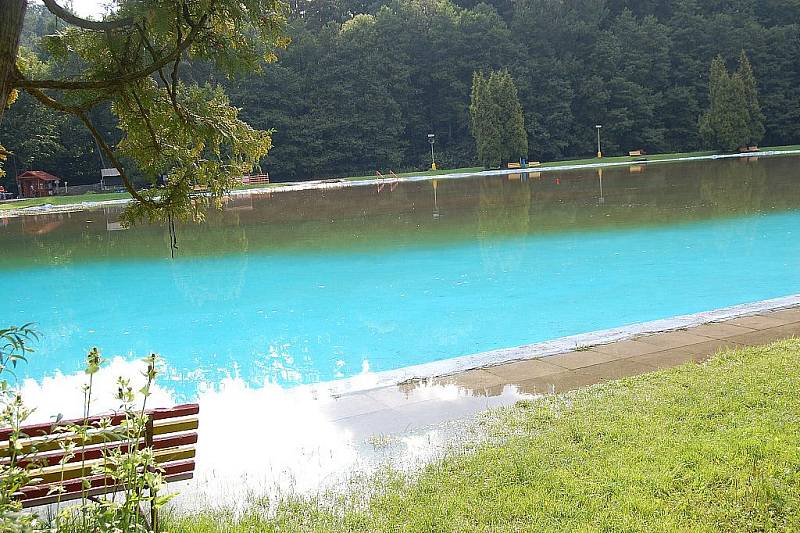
{"x":81,"y":114}
{"x":75,"y":20}
{"x":114,"y":161}
{"x":146,"y":117}
{"x":120,"y":80}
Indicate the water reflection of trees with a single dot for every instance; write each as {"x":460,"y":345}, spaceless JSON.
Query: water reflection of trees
{"x":750,"y":192}
{"x":201,"y":282}
{"x":362,"y":218}
{"x":38,"y":227}
{"x":503,"y":211}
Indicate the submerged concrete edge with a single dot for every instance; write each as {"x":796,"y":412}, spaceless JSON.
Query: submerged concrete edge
{"x":455,"y":365}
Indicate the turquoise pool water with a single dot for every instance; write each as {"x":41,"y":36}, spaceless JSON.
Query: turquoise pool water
{"x":308,"y":287}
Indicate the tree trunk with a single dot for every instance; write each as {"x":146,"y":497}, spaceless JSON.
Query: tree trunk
{"x":13,"y":15}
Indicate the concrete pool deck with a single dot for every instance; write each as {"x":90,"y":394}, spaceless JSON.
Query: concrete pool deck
{"x":412,"y":406}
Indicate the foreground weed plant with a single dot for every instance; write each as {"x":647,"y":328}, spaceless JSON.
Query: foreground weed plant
{"x":131,"y":467}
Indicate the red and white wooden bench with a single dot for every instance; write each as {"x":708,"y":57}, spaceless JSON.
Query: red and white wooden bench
{"x":172,"y":434}
{"x":258,"y":179}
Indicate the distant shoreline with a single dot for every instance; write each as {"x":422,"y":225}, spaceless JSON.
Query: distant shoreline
{"x":83,"y":205}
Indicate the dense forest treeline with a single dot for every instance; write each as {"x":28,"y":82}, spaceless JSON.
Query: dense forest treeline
{"x":363,"y":83}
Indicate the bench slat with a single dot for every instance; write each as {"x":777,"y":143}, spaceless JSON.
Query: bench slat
{"x":71,"y":496}
{"x":47,"y":428}
{"x":49,"y":443}
{"x":52,"y":442}
{"x":38,"y":495}
{"x":57,"y":473}
{"x":96,"y":452}
{"x":164,"y":427}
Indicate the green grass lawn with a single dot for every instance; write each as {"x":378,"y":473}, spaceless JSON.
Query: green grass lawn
{"x":711,"y":447}
{"x":63,"y":200}
{"x":66,"y":200}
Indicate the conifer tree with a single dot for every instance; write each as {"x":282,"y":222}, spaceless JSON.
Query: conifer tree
{"x":749,"y":86}
{"x":496,"y":119}
{"x":725,"y":125}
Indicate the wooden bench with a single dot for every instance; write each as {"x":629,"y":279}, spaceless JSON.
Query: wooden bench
{"x":748,"y":149}
{"x":527,"y":164}
{"x":637,"y":153}
{"x":171,"y":433}
{"x":258,"y":179}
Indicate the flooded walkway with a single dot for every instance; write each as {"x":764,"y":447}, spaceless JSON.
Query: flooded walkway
{"x":395,"y":409}
{"x":310,"y":442}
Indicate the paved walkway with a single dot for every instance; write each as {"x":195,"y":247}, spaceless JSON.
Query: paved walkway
{"x":412,"y":407}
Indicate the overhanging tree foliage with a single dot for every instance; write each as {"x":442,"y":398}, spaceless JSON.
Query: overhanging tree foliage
{"x":496,"y":119}
{"x":188,"y":133}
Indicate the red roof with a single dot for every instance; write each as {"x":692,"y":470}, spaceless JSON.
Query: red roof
{"x":42,"y":175}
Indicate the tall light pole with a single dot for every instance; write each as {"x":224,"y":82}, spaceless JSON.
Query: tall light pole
{"x":599,"y":150}
{"x":432,"y":140}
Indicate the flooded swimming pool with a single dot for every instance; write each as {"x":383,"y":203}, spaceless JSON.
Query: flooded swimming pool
{"x":317,"y":285}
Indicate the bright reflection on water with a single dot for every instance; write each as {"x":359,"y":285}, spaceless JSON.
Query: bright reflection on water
{"x":272,"y":441}
{"x":310,"y":286}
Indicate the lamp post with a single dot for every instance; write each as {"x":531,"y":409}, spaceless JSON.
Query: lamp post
{"x":599,"y":150}
{"x":432,"y":140}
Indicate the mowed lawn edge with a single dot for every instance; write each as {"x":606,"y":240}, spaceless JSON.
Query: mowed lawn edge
{"x":701,"y":447}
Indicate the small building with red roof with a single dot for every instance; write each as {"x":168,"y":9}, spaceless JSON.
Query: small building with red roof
{"x":36,"y":184}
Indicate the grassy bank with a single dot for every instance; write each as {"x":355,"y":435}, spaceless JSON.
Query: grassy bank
{"x":712,"y":447}
{"x":67,"y":200}
{"x":63,"y":200}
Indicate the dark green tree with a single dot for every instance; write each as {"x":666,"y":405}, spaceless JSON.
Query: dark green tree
{"x":746,"y":80}
{"x":725,"y":125}
{"x":496,"y":119}
{"x":351,"y":97}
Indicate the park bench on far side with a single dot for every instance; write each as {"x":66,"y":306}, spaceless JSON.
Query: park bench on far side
{"x":523,"y":164}
{"x":748,"y":149}
{"x":259,"y":179}
{"x":172,"y":434}
{"x":637,"y":153}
